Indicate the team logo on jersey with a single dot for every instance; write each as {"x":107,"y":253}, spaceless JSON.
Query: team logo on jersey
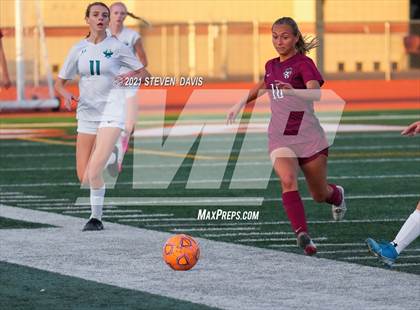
{"x":108,"y":53}
{"x":287,"y":73}
{"x":83,"y":51}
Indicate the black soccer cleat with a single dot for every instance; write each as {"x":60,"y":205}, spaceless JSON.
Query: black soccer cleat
{"x":93,"y":224}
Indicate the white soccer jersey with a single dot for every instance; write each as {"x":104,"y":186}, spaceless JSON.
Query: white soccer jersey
{"x":97,"y":66}
{"x":128,"y":37}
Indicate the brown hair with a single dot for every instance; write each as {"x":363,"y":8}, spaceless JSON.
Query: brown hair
{"x":304,"y":44}
{"x":96,"y":3}
{"x":87,"y":13}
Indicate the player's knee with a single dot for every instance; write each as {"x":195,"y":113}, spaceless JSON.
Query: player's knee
{"x":94,"y":173}
{"x":129,"y":128}
{"x":288,"y":182}
{"x":319,"y":196}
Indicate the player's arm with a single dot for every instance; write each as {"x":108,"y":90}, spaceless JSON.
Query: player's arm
{"x":141,"y":53}
{"x":314,"y":93}
{"x":63,"y":92}
{"x":257,"y":91}
{"x":5,"y":80}
{"x":412,"y":129}
{"x":130,"y":61}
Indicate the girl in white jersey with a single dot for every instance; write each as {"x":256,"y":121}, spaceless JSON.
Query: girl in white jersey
{"x":133,"y":40}
{"x":100,"y":115}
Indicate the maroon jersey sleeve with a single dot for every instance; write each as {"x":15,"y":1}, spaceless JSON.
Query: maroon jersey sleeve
{"x":268,"y":71}
{"x":310,"y":72}
{"x":1,"y":34}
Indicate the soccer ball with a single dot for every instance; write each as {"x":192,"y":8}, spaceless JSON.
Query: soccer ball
{"x":181,"y":252}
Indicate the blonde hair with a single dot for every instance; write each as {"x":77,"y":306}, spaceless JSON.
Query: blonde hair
{"x":132,"y":15}
{"x":304,"y":43}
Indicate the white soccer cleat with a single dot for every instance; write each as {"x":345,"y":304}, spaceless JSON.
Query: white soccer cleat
{"x":338,"y":212}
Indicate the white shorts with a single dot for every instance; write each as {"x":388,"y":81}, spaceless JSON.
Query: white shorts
{"x":91,"y":127}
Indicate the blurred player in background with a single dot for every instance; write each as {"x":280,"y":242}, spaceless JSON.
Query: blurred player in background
{"x":5,"y":80}
{"x":100,"y":112}
{"x":388,"y":252}
{"x":301,"y":143}
{"x":134,"y":42}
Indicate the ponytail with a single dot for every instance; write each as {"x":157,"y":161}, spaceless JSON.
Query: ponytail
{"x":145,"y":22}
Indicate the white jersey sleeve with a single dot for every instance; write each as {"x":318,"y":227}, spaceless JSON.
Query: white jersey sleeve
{"x":128,"y":60}
{"x":70,"y":69}
{"x":134,"y":37}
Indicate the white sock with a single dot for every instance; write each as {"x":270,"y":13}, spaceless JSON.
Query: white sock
{"x":408,"y":232}
{"x":97,"y":202}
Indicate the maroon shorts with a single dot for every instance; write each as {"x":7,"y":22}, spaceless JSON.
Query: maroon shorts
{"x":305,"y":160}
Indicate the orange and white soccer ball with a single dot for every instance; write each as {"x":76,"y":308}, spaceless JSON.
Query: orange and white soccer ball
{"x":181,"y":252}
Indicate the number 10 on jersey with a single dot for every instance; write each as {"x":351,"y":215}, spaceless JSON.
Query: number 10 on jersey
{"x":95,"y":64}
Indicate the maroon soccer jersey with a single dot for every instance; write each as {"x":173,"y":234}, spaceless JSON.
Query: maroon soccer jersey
{"x":1,"y":34}
{"x":293,"y":122}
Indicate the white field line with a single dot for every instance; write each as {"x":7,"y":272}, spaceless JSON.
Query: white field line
{"x":274,"y":223}
{"x":319,"y":245}
{"x":114,"y":216}
{"x":221,"y":139}
{"x":63,"y":200}
{"x":358,"y":251}
{"x":374,"y":257}
{"x":182,"y":219}
{"x":205,"y":181}
{"x":61,"y":208}
{"x":10,"y":193}
{"x":216,"y":151}
{"x":214,"y":229}
{"x":273,"y":233}
{"x":51,"y":206}
{"x":70,"y":208}
{"x":337,"y":148}
{"x":359,"y":197}
{"x":20,"y":155}
{"x":176,"y":201}
{"x":406,"y":265}
{"x":218,"y":164}
{"x":276,"y":239}
{"x":29,"y":197}
{"x":218,"y":201}
{"x":105,"y":211}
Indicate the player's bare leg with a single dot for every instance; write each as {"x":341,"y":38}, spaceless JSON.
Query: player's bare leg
{"x":130,"y":123}
{"x":105,"y":143}
{"x":287,"y":169}
{"x":84,"y":146}
{"x":316,"y":177}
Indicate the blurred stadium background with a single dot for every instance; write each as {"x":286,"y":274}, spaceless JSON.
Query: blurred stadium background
{"x":230,"y":40}
{"x":370,"y":56}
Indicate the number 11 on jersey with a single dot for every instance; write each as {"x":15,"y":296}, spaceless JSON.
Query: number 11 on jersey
{"x":98,"y":64}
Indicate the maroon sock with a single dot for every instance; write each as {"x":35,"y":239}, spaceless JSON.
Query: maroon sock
{"x":336,"y":197}
{"x":293,"y":205}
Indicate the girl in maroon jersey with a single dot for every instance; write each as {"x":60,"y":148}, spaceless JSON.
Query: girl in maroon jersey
{"x":296,"y":139}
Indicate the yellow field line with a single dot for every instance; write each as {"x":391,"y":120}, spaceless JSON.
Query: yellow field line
{"x":131,"y":150}
{"x":49,"y":141}
{"x":37,"y":125}
{"x":173,"y":154}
